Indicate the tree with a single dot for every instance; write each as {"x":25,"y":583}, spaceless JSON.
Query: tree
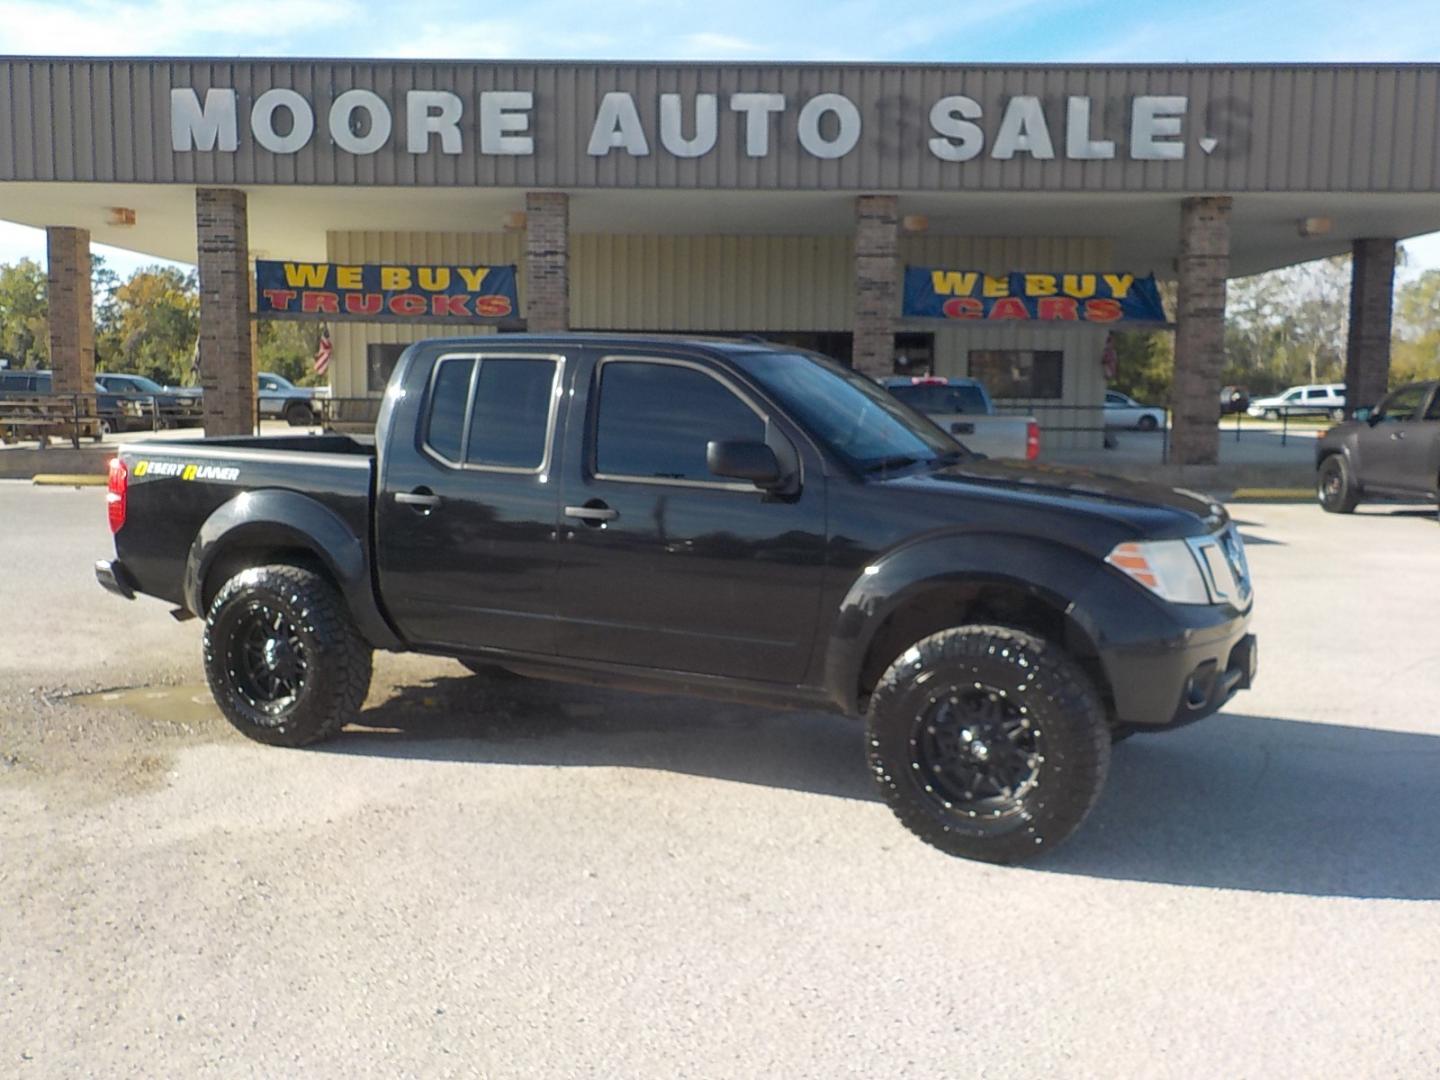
{"x":149,"y":324}
{"x":1415,"y":344}
{"x":24,"y":331}
{"x":1144,"y":364}
{"x":1288,"y":326}
{"x":287,"y":347}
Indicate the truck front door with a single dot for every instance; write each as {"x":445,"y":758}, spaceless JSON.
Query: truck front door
{"x":466,"y":514}
{"x":1396,"y":450}
{"x":661,"y":563}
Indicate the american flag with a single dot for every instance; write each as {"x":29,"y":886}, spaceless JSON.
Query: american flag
{"x":322,"y":351}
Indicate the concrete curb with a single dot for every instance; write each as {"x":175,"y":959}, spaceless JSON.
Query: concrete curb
{"x":67,"y":480}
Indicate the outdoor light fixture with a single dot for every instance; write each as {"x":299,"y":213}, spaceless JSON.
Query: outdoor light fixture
{"x":915,"y":223}
{"x":1315,"y":226}
{"x":120,"y":215}
{"x":514,"y":221}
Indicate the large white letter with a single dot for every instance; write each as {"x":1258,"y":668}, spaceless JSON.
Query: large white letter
{"x":209,"y":128}
{"x":757,"y":109}
{"x":431,"y":112}
{"x":1153,"y":119}
{"x":262,"y":120}
{"x":952,"y":117}
{"x":340,"y":113}
{"x":504,"y":117}
{"x":1078,"y":144}
{"x":617,"y":124}
{"x":846,"y":137}
{"x":1023,"y":130}
{"x":672,"y":125}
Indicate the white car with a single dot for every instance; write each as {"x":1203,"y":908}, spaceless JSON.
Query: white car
{"x":1123,"y":411}
{"x":1316,"y":399}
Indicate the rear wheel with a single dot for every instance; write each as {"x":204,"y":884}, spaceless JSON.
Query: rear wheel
{"x":1335,"y":485}
{"x":1337,"y":415}
{"x":284,"y":660}
{"x":988,"y":743}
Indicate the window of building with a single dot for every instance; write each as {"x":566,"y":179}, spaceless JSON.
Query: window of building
{"x":510,"y":421}
{"x":1019,"y":373}
{"x":449,"y":395}
{"x":380,"y":361}
{"x":914,"y":354}
{"x":655,"y":419}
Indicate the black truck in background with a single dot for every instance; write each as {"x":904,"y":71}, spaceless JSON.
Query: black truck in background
{"x":726,"y":519}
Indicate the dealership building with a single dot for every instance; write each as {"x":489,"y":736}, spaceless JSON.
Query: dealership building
{"x":995,"y":221}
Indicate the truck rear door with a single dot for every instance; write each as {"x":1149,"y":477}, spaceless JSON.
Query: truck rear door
{"x":466,"y":508}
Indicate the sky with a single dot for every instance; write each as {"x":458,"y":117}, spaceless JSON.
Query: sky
{"x":952,"y":31}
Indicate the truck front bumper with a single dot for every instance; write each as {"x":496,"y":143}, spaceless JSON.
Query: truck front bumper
{"x":113,"y":577}
{"x":1187,"y":678}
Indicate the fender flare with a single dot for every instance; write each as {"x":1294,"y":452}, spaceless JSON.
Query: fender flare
{"x":279,"y":518}
{"x":1059,"y":576}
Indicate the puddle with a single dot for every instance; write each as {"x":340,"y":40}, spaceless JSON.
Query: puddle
{"x":190,"y":704}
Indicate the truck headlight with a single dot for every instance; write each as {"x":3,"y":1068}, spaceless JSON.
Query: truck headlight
{"x":1166,"y":567}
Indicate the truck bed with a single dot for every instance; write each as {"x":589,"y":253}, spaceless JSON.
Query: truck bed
{"x":177,"y":487}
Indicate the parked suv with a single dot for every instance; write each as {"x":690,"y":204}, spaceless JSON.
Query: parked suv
{"x":176,"y":407}
{"x":1316,"y":399}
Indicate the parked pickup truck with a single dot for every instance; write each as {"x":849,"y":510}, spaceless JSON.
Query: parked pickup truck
{"x":964,"y":409}
{"x":719,"y":518}
{"x":1392,"y":450}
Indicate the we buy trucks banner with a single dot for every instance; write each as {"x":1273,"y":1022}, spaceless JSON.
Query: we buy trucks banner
{"x":1110,"y":297}
{"x":384,"y":292}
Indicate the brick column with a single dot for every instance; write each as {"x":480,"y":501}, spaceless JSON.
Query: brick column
{"x":877,"y":277}
{"x":1367,"y":353}
{"x":227,"y":335}
{"x":547,"y":267}
{"x":1200,"y":330}
{"x":71,"y":318}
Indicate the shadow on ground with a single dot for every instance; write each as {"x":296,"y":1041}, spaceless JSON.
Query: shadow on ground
{"x":1236,"y":802}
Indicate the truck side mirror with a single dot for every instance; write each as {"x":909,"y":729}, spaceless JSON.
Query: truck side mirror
{"x":743,"y":460}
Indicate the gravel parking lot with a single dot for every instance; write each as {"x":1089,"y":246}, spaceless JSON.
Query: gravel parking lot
{"x":532,"y":879}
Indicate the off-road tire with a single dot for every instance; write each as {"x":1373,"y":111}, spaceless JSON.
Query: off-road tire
{"x":338,"y":659}
{"x":1071,"y":740}
{"x":1335,"y":485}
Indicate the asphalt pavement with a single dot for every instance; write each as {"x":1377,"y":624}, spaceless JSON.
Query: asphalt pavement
{"x":527,"y":879}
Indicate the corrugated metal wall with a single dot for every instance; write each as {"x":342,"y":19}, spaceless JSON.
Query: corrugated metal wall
{"x":1277,"y":128}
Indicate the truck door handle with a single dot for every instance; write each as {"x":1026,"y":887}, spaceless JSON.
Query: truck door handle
{"x":420,"y":499}
{"x":962,"y":429}
{"x":592,"y":515}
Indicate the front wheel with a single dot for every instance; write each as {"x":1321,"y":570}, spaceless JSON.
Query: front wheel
{"x":1335,"y":486}
{"x":284,"y":660}
{"x":298,"y":414}
{"x":1272,"y":414}
{"x":1147,"y":423}
{"x":988,"y":743}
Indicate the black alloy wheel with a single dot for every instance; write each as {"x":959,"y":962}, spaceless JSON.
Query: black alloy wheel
{"x":283,"y":658}
{"x":1335,"y":486}
{"x":988,"y":742}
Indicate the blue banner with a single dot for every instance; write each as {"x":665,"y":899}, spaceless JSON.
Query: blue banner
{"x":381,"y":293}
{"x":1109,"y":297}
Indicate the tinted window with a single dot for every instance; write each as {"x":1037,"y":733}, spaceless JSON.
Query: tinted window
{"x":1404,"y":404}
{"x":1321,"y":393}
{"x":446,"y":424}
{"x":655,"y":419}
{"x":941,"y":400}
{"x":1433,"y":413}
{"x":509,"y":424}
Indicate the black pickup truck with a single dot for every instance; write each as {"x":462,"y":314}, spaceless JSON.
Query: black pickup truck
{"x":728,"y":519}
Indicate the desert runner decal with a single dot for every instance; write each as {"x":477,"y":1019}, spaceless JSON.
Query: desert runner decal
{"x":185,"y":470}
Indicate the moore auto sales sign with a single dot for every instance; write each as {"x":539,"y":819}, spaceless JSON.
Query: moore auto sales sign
{"x":826,"y":125}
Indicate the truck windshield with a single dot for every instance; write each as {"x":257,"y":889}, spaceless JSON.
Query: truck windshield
{"x":852,"y":416}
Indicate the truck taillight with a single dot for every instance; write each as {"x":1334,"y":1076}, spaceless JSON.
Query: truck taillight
{"x":116,"y":491}
{"x":1032,"y":441}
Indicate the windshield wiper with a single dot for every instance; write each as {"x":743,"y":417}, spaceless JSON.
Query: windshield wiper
{"x":896,"y":461}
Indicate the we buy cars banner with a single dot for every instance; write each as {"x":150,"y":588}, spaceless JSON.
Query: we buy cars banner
{"x":385,"y":292}
{"x":1109,"y":297}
